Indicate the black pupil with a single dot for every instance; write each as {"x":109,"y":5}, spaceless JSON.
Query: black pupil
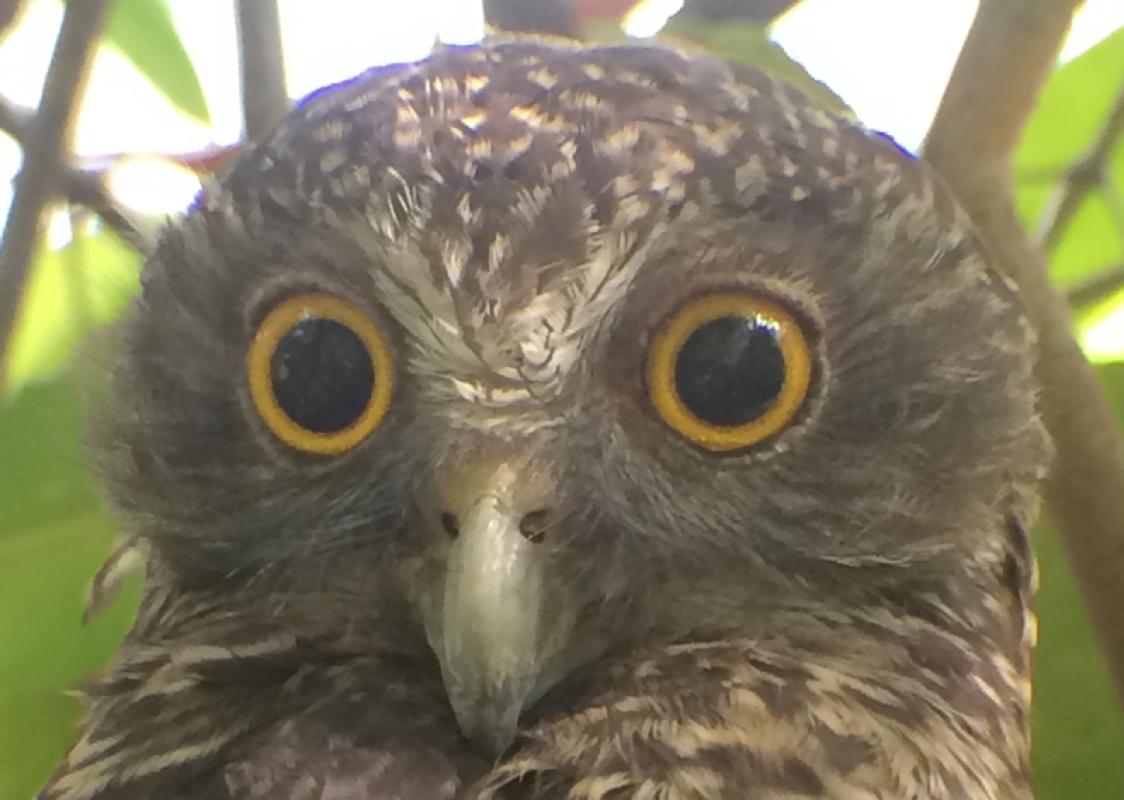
{"x":730,"y":370}
{"x":322,"y":375}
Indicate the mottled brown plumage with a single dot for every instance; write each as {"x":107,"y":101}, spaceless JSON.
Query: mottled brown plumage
{"x":839,"y":611}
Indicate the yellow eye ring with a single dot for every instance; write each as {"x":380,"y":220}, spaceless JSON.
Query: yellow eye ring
{"x":320,"y":373}
{"x":728,"y":370}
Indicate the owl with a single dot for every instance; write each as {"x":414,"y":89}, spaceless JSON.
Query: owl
{"x":540,"y":422}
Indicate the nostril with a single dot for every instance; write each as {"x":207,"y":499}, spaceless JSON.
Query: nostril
{"x":533,"y":525}
{"x":450,"y":524}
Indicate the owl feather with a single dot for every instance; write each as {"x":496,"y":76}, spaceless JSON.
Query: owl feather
{"x":538,"y":421}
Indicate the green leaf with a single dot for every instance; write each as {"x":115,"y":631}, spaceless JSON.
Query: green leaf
{"x":749,"y":43}
{"x":33,"y":738}
{"x":44,"y":573}
{"x":1073,"y":107}
{"x":53,"y":538}
{"x":43,"y":475}
{"x":71,"y":290}
{"x":1076,"y":725}
{"x":145,"y":34}
{"x":1077,"y":721}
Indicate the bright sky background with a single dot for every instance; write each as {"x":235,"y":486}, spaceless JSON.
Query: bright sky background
{"x":888,"y":59}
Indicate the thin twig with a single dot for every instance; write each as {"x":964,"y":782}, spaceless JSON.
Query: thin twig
{"x":1113,"y":200}
{"x":1086,"y":174}
{"x":262,"y":61}
{"x":1105,"y":283}
{"x":88,"y":189}
{"x":1010,"y":51}
{"x":43,"y":154}
{"x":83,"y":186}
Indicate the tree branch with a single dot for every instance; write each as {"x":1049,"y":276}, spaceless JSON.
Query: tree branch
{"x":1096,"y":288}
{"x":50,"y":132}
{"x":1009,"y":52}
{"x":262,"y":64}
{"x":9,"y":11}
{"x":83,"y":187}
{"x":1082,"y":177}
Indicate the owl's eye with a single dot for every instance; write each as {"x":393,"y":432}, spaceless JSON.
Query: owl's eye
{"x":728,"y":370}
{"x":320,"y":373}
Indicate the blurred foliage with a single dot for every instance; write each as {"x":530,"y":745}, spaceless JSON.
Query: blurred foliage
{"x":750,"y":43}
{"x":71,"y":290}
{"x":54,"y":533}
{"x":1072,"y":111}
{"x":145,"y":34}
{"x":53,"y":536}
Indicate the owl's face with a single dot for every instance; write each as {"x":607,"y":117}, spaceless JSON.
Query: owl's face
{"x":522,"y":354}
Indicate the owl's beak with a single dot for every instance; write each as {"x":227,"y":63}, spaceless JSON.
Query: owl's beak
{"x":493,"y":638}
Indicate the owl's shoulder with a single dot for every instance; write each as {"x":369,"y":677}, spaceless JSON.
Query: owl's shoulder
{"x":313,"y":759}
{"x":261,"y":714}
{"x":743,"y":718}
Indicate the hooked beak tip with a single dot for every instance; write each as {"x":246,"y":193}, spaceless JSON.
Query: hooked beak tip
{"x":492,"y":629}
{"x":489,"y":722}
{"x":490,"y":619}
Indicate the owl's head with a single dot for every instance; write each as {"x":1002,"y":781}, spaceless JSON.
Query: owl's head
{"x":527,"y":352}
